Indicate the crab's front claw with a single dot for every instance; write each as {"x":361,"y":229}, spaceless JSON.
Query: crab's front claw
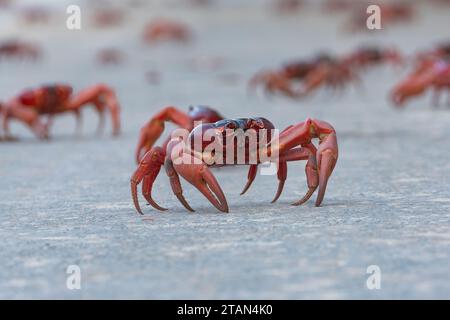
{"x":202,"y":178}
{"x":146,"y":173}
{"x":327,"y":156}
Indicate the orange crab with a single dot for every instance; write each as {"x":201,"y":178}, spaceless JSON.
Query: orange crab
{"x":161,"y":30}
{"x":434,"y":74}
{"x":31,"y":104}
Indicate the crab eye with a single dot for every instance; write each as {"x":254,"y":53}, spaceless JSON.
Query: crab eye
{"x":260,"y":123}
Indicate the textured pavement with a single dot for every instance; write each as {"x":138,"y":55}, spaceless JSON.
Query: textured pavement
{"x":67,"y":201}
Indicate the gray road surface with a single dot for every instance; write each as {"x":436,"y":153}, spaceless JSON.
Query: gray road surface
{"x":67,"y":202}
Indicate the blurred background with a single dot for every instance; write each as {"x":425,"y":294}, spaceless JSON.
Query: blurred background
{"x":66,"y":201}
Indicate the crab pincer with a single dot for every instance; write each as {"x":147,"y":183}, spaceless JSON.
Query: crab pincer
{"x":146,"y":173}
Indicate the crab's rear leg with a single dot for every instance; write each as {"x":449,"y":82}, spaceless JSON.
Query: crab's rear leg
{"x":250,"y":177}
{"x":312,"y":178}
{"x":99,"y":94}
{"x":326,"y":155}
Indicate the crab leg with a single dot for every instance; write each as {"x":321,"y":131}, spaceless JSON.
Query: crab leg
{"x":201,"y":177}
{"x":13,"y":109}
{"x":315,"y":79}
{"x":326,"y":155}
{"x":305,"y":153}
{"x":79,"y":121}
{"x":100,"y":107}
{"x":175,"y":183}
{"x":147,"y":185}
{"x":146,"y":173}
{"x":251,"y":177}
{"x":153,"y":129}
{"x":99,"y":94}
{"x":282,"y":174}
{"x":326,"y":160}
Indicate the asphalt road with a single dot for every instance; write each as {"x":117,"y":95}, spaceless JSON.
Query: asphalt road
{"x":67,"y":201}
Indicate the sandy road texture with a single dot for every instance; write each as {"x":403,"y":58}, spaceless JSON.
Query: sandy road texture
{"x":68,"y":201}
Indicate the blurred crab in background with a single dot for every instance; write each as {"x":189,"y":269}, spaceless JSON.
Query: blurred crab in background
{"x":35,"y":15}
{"x":31,"y":105}
{"x":368,"y":56}
{"x":163,"y":30}
{"x":323,"y":70}
{"x":108,"y":17}
{"x":17,"y":49}
{"x":429,"y":74}
{"x":431,"y":70}
{"x":110,"y":57}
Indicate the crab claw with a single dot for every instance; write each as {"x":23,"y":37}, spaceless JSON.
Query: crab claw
{"x":147,"y":172}
{"x":202,"y":178}
{"x":326,"y":160}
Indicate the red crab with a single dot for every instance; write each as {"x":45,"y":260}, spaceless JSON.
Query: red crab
{"x":294,"y":143}
{"x":166,"y":30}
{"x":108,"y":17}
{"x":153,"y":129}
{"x":322,"y":71}
{"x":439,"y":52}
{"x":110,"y":56}
{"x":334,"y":74}
{"x":35,"y":14}
{"x":433,"y":74}
{"x":281,"y":80}
{"x":369,"y":56}
{"x":30,"y":105}
{"x":19,"y":49}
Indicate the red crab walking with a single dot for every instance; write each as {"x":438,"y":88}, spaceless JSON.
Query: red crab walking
{"x":294,"y":144}
{"x":429,"y":74}
{"x":30,"y":105}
